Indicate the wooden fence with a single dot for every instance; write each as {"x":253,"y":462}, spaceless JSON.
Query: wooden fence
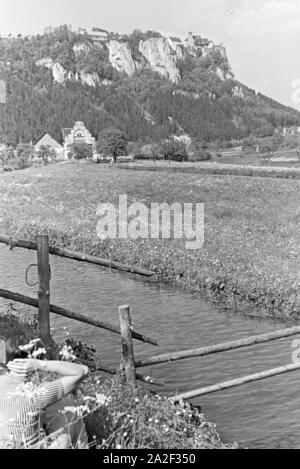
{"x":129,"y":363}
{"x":44,"y":306}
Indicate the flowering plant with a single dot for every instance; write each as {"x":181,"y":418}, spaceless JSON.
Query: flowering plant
{"x":34,"y":349}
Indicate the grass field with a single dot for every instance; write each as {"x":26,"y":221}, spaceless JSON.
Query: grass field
{"x":250,"y":258}
{"x":224,"y":166}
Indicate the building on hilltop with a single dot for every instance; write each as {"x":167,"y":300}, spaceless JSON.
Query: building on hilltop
{"x":78,"y":134}
{"x":47,"y":141}
{"x":98,"y":35}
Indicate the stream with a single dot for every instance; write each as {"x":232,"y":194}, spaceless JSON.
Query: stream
{"x":264,"y":414}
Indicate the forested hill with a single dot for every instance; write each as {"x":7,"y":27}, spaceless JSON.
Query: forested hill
{"x":146,"y":84}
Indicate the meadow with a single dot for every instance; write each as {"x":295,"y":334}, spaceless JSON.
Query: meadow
{"x":250,"y":258}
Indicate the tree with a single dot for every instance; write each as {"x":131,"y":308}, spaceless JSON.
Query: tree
{"x":80,"y":151}
{"x":46,"y":153}
{"x":174,"y":149}
{"x":112,"y":142}
{"x":25,"y":153}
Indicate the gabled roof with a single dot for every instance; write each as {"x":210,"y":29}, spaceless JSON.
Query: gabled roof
{"x":99,"y":30}
{"x":45,"y":134}
{"x":66,"y":132}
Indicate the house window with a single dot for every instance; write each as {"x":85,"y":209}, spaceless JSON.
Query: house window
{"x":79,"y":136}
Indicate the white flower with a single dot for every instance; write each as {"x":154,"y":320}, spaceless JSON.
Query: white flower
{"x":101,"y":399}
{"x":67,"y":353}
{"x":38,"y":353}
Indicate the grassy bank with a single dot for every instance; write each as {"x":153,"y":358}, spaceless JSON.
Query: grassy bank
{"x":250,"y":258}
{"x":120,"y":416}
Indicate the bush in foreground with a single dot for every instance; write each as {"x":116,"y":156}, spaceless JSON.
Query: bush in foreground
{"x":134,"y":418}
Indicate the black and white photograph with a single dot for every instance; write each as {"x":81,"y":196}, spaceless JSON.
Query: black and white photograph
{"x":149,"y":227}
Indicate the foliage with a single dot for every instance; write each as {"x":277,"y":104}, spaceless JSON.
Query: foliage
{"x":25,"y":153}
{"x":112,"y":142}
{"x":200,"y":155}
{"x":80,"y":151}
{"x":201,"y":103}
{"x":123,"y":417}
{"x":46,"y":153}
{"x":173,"y":149}
{"x":152,"y":151}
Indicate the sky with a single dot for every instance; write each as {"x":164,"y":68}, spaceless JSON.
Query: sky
{"x":262,"y":37}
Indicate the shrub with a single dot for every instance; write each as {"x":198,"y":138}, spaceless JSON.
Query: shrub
{"x":200,"y":155}
{"x":151,"y":151}
{"x":123,"y":417}
{"x":81,"y":151}
{"x":173,"y":149}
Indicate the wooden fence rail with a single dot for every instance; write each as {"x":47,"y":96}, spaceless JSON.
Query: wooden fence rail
{"x":237,"y":382}
{"x":222,"y":347}
{"x":113,"y":371}
{"x":9,"y":295}
{"x":66,"y":253}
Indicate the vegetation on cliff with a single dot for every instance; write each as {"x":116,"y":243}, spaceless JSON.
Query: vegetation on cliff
{"x":207,"y":102}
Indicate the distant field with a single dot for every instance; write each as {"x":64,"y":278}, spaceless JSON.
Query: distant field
{"x":252,"y":236}
{"x":235,"y":168}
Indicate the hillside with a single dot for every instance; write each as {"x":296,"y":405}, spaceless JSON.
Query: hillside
{"x":147,"y":84}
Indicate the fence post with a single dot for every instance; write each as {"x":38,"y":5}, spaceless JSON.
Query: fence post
{"x":127,"y":343}
{"x":44,"y":288}
{"x":2,"y":351}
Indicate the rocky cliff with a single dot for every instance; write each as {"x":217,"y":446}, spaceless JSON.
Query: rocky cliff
{"x":159,"y":53}
{"x":150,"y":85}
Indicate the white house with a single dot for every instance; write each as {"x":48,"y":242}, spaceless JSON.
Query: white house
{"x":47,"y":141}
{"x":78,"y":134}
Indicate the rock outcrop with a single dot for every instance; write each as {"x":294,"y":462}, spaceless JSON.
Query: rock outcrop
{"x":158,"y":53}
{"x":81,"y":49}
{"x":59,"y":73}
{"x":120,"y":57}
{"x":89,"y":79}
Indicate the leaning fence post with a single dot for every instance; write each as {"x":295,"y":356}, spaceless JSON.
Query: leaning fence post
{"x":44,"y":287}
{"x":127,"y":343}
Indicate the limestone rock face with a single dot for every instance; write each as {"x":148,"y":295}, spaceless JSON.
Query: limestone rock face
{"x":120,"y":57}
{"x":59,"y":73}
{"x":158,"y":53}
{"x":45,"y":62}
{"x":89,"y":79}
{"x":80,"y":49}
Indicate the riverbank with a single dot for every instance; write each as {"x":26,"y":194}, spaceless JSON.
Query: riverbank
{"x":250,"y":257}
{"x":120,"y":416}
